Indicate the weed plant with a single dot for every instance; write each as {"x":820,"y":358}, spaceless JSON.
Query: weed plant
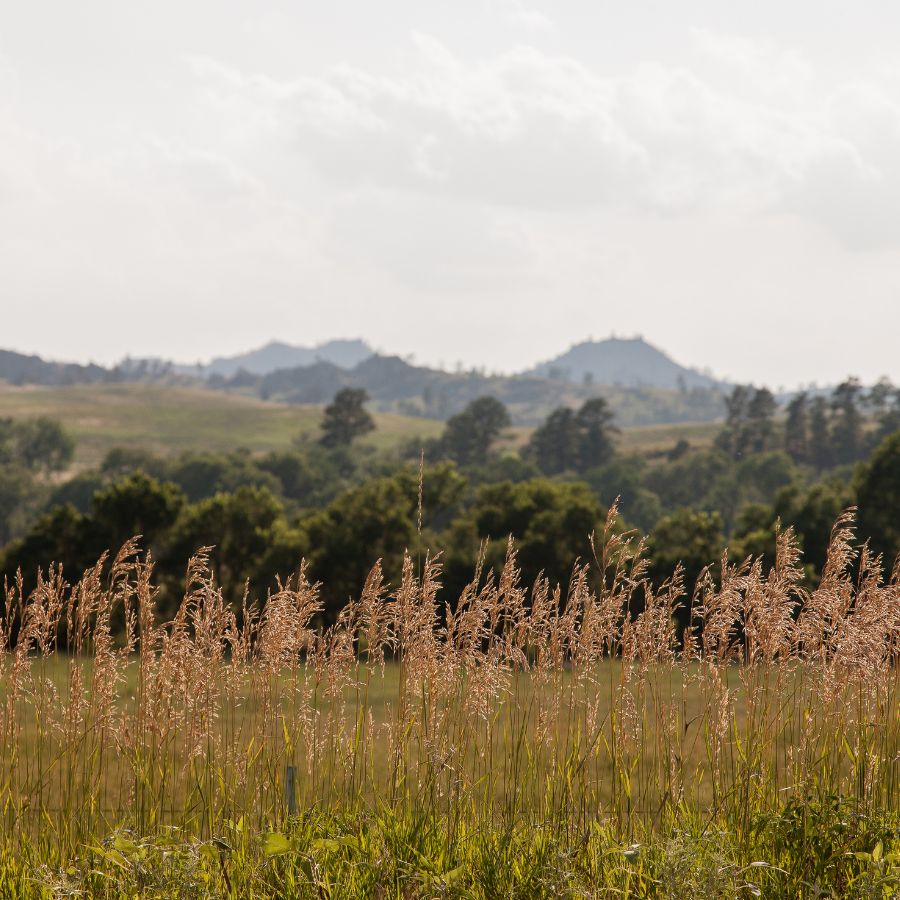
{"x":517,"y":741}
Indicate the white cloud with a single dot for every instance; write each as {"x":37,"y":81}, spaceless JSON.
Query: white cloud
{"x":429,"y":245}
{"x":209,"y":179}
{"x":851,"y":184}
{"x":761,"y":64}
{"x":530,"y":129}
{"x":464,"y":198}
{"x":525,"y":17}
{"x":523,"y":129}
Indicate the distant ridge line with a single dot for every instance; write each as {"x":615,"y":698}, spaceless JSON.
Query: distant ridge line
{"x":626,"y":362}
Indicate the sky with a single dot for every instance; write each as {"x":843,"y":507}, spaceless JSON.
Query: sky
{"x":483,"y":182}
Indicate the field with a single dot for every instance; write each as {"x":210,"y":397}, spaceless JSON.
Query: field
{"x":517,"y":743}
{"x":642,"y":439}
{"x":169,"y":420}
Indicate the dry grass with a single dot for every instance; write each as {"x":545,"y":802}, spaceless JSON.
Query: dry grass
{"x":169,"y":420}
{"x":509,"y":705}
{"x":638,"y":439}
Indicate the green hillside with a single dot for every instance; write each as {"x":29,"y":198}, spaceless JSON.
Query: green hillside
{"x":166,"y":419}
{"x":169,"y":420}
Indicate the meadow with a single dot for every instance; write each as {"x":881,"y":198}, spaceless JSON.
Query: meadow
{"x":519,"y":741}
{"x":168,"y":420}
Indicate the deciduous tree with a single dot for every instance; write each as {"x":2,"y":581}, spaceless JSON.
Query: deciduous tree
{"x":468,"y":435}
{"x":878,"y":496}
{"x":346,"y":418}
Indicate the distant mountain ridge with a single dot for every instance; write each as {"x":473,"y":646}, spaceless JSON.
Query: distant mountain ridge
{"x":627,"y":362}
{"x":642,"y":384}
{"x":20,"y":368}
{"x":395,"y":385}
{"x":278,"y":355}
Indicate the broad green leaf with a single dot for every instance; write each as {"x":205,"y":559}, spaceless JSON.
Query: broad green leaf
{"x":276,"y":843}
{"x":326,"y":844}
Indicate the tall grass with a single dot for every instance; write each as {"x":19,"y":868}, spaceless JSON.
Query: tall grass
{"x":529,"y":713}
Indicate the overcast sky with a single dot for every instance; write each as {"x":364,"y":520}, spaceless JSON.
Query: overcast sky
{"x":485,"y":181}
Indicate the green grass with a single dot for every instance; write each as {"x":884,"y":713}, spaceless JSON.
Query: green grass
{"x":355,"y":848}
{"x":813,"y":850}
{"x":637,"y":440}
{"x":650,"y":438}
{"x":169,"y":420}
{"x":530,"y":745}
{"x":360,"y":847}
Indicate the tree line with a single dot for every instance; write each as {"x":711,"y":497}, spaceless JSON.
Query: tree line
{"x":340,"y":505}
{"x":819,"y":430}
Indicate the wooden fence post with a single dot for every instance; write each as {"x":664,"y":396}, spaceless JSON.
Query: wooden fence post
{"x":290,"y":793}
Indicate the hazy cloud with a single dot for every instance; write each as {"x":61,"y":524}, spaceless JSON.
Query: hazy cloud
{"x":852,"y":184}
{"x":488,"y":181}
{"x":528,"y":128}
{"x":760,"y":64}
{"x":526,"y":17}
{"x":429,"y":244}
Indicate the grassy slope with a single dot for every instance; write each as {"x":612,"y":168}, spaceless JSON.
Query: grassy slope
{"x":173,"y":419}
{"x":640,"y":439}
{"x":663,"y":437}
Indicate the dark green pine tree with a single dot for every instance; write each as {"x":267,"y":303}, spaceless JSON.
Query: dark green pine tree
{"x":759,"y":427}
{"x":886,"y":406}
{"x":733,"y":438}
{"x":555,"y":445}
{"x":820,"y":454}
{"x":796,"y":428}
{"x":846,"y":429}
{"x":346,"y":418}
{"x":594,"y":423}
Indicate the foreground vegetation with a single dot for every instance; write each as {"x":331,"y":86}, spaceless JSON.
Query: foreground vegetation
{"x":618,"y":737}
